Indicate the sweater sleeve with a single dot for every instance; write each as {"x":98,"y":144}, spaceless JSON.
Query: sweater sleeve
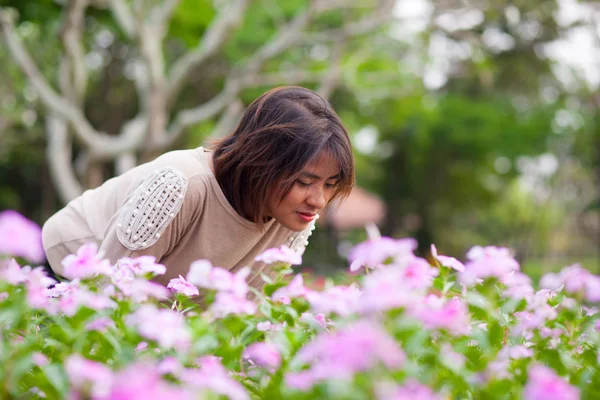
{"x":153,"y":218}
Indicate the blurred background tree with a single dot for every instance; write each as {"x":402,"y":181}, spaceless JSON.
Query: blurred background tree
{"x":475,"y":122}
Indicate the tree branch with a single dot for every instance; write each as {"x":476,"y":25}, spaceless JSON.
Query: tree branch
{"x":156,"y":110}
{"x":246,"y":73}
{"x":382,"y":14}
{"x":59,"y":159}
{"x":71,"y":36}
{"x":332,"y":77}
{"x":49,"y":97}
{"x":287,"y":35}
{"x":192,"y":116}
{"x":152,"y":33}
{"x":100,"y":145}
{"x":325,"y":5}
{"x":124,"y":17}
{"x":125,"y":162}
{"x":216,"y":34}
{"x":229,"y":119}
{"x":162,"y":13}
{"x":290,"y":77}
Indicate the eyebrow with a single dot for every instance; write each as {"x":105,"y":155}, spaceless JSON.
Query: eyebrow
{"x":313,"y":176}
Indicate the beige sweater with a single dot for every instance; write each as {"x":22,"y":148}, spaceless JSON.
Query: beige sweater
{"x":171,"y":208}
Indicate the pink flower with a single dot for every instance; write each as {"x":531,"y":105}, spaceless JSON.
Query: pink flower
{"x":303,"y":380}
{"x":162,"y":325}
{"x":140,"y":290}
{"x":488,"y":262}
{"x":264,"y":326}
{"x":374,"y":253}
{"x":204,"y":275}
{"x":592,"y":289}
{"x":280,"y":255}
{"x":86,"y":264}
{"x":214,"y":377}
{"x":100,"y":324}
{"x":518,"y":285}
{"x":37,"y":298}
{"x":142,"y":265}
{"x":341,"y":354}
{"x":170,"y":365}
{"x":141,"y":346}
{"x":62,"y":288}
{"x":263,"y":354}
{"x":36,"y":286}
{"x":142,"y":381}
{"x":447,"y":261}
{"x":37,"y":276}
{"x":181,"y":285}
{"x":515,"y":352}
{"x":20,"y":237}
{"x":199,"y":273}
{"x":575,"y":280}
{"x":526,"y":322}
{"x":417,"y":273}
{"x":70,"y":302}
{"x":318,"y":319}
{"x":267,"y":326}
{"x":11,"y":272}
{"x":341,"y":300}
{"x":551,"y":281}
{"x":589,"y":311}
{"x":410,"y":390}
{"x":437,"y":313}
{"x":239,"y":287}
{"x":498,"y":369}
{"x":544,"y":384}
{"x":390,"y":288}
{"x":452,"y":358}
{"x":84,"y":373}
{"x":293,"y":290}
{"x":227,"y":303}
{"x":40,"y":359}
{"x":69,"y":297}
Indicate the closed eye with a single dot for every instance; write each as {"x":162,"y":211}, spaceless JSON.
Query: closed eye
{"x":303,"y":184}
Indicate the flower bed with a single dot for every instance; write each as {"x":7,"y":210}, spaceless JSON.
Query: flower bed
{"x":404,"y":330}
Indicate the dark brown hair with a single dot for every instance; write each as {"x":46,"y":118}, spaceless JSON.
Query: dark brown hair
{"x":280,"y":133}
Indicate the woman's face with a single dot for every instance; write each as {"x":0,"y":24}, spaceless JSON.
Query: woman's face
{"x":311,"y":192}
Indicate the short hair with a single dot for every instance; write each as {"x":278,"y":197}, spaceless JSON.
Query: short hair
{"x":280,"y":133}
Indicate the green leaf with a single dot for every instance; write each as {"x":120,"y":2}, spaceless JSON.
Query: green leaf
{"x":19,"y":368}
{"x":57,"y":378}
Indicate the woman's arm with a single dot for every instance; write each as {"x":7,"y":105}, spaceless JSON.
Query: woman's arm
{"x":153,"y":218}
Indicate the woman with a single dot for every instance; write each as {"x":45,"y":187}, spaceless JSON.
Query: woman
{"x":261,"y":187}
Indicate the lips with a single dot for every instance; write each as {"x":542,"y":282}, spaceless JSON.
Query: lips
{"x":306,"y":216}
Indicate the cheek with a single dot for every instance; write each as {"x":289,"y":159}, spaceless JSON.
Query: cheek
{"x":294,"y":197}
{"x":329,"y":194}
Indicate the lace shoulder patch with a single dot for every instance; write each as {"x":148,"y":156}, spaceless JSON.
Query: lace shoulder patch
{"x":151,"y":207}
{"x":299,"y":240}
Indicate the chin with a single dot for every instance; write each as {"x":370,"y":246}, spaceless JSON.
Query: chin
{"x":294,"y":226}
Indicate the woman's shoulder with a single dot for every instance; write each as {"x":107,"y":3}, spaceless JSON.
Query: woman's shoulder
{"x":190,"y":162}
{"x":182,"y":172}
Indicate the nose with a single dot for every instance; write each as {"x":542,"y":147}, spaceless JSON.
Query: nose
{"x":316,"y":197}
